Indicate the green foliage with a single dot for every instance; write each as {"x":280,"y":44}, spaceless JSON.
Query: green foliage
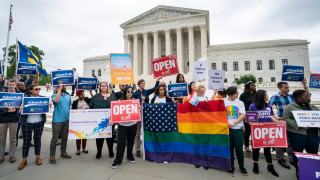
{"x":248,"y":77}
{"x":12,"y":57}
{"x":44,"y":80}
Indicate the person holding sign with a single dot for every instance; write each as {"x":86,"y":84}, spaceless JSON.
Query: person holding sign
{"x":301,"y":137}
{"x":191,"y":88}
{"x":79,"y":104}
{"x":9,"y":118}
{"x":236,"y":113}
{"x":265,"y":112}
{"x":102,"y":101}
{"x":29,"y":123}
{"x":60,"y":122}
{"x":143,"y":95}
{"x":161,"y":97}
{"x":126,"y":133}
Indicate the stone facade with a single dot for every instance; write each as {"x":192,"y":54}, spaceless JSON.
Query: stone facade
{"x":166,"y":30}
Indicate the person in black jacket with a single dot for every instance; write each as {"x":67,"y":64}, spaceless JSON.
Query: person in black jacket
{"x":9,"y":118}
{"x":79,"y":104}
{"x":161,"y":97}
{"x":126,"y":133}
{"x":247,"y":98}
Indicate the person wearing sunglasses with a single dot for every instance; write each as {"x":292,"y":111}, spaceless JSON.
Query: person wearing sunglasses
{"x":32,"y":123}
{"x":126,"y":133}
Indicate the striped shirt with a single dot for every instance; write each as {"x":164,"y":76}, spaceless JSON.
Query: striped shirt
{"x":281,"y":102}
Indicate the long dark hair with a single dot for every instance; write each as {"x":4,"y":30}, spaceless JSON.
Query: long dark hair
{"x":247,"y":88}
{"x":158,"y":88}
{"x":259,"y":99}
{"x":177,"y":79}
{"x":189,"y":87}
{"x":124,"y":95}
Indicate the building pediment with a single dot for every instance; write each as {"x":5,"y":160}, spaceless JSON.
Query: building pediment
{"x":162,"y":13}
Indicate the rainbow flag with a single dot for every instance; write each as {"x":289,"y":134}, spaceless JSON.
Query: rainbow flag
{"x":143,"y":97}
{"x":193,"y":99}
{"x":187,"y":134}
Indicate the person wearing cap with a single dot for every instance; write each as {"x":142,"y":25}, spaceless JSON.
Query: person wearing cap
{"x":81,"y":102}
{"x":247,"y":98}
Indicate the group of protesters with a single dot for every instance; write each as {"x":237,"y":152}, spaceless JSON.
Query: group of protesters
{"x":128,"y":133}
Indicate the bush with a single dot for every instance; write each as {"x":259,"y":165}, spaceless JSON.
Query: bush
{"x":248,"y":77}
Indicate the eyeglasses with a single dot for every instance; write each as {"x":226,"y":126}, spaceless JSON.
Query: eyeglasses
{"x":129,"y":91}
{"x":37,"y":89}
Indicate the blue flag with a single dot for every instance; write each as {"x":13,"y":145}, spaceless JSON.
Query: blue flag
{"x":25,"y":55}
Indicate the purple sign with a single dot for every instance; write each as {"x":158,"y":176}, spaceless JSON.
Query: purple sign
{"x":251,"y":116}
{"x":309,"y":169}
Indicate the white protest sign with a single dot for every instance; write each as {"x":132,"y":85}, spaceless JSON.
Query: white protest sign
{"x":216,"y":79}
{"x":200,"y":71}
{"x":307,"y":118}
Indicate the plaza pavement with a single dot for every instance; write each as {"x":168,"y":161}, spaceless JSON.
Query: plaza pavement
{"x":87,"y":167}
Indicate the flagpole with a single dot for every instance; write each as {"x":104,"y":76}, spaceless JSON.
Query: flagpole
{"x":6,"y":56}
{"x":15,"y":72}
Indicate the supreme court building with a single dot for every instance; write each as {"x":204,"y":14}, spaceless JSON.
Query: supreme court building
{"x":166,"y":30}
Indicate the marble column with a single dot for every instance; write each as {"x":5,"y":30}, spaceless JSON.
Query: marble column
{"x":168,"y":42}
{"x":179,"y":49}
{"x":135,"y":53}
{"x":130,"y":39}
{"x":204,"y":41}
{"x":155,"y":44}
{"x":126,"y":50}
{"x":145,"y":54}
{"x":191,"y":48}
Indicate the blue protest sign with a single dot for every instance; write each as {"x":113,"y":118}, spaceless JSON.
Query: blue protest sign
{"x":10,"y":99}
{"x":64,"y":76}
{"x":309,"y":168}
{"x":314,"y":81}
{"x":35,"y":105}
{"x":26,"y":69}
{"x":292,"y":73}
{"x":178,"y":90}
{"x":87,"y":83}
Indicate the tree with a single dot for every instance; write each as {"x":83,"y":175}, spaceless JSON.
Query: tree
{"x":12,"y":60}
{"x":248,"y":77}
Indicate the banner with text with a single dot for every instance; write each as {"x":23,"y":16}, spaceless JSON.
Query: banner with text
{"x":165,"y":66}
{"x":10,"y":99}
{"x":216,"y":79}
{"x":125,"y":111}
{"x":121,"y":69}
{"x":64,"y":76}
{"x":200,"y":71}
{"x":307,"y":118}
{"x":270,"y":134}
{"x":87,"y":83}
{"x":314,"y":81}
{"x":292,"y":73}
{"x":26,"y":69}
{"x":89,"y":124}
{"x":178,"y":90}
{"x":35,"y":105}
